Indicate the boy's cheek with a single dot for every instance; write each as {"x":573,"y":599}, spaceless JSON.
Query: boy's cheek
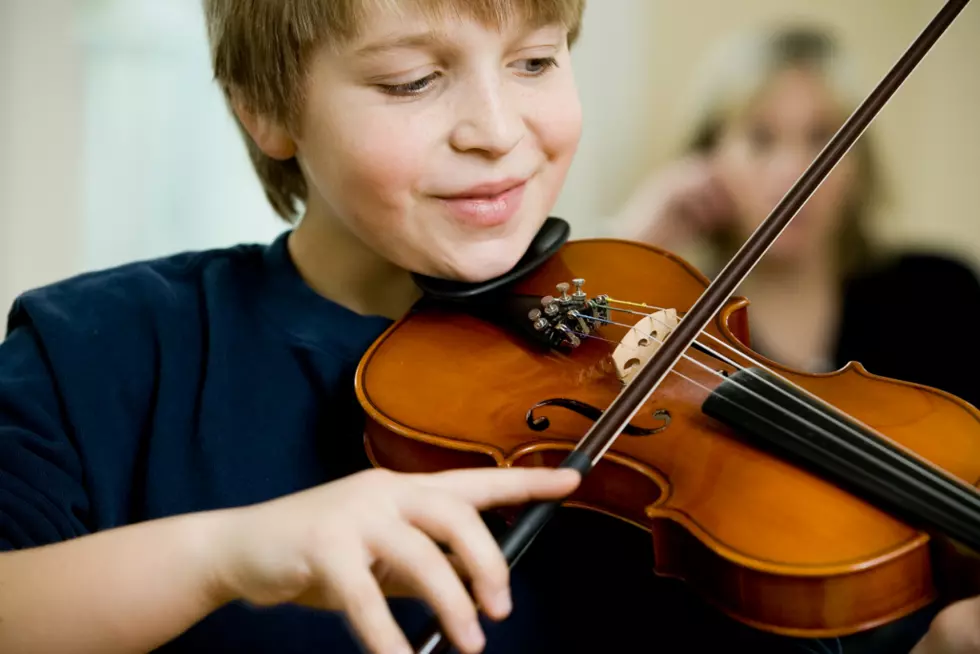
{"x":375,"y":172}
{"x":559,"y":125}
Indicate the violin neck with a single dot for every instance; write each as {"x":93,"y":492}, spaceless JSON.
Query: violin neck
{"x":771,"y":412}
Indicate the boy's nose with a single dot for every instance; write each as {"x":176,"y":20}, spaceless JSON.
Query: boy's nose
{"x":489,"y":123}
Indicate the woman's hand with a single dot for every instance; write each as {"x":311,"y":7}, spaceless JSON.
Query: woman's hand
{"x":678,"y":204}
{"x":346,"y":545}
{"x":956,"y":630}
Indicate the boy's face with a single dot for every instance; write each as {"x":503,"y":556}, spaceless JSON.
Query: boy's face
{"x":442,"y":145}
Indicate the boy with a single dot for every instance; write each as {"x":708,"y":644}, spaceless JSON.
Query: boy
{"x":179,"y":442}
{"x":168,"y":429}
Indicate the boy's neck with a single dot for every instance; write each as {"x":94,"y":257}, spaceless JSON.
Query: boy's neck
{"x":340,"y":267}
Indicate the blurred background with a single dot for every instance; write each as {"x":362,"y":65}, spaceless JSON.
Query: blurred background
{"x":117,"y":146}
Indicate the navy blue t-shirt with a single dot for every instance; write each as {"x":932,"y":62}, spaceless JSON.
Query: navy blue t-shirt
{"x":195,"y":382}
{"x":200,"y":381}
{"x":219,"y":379}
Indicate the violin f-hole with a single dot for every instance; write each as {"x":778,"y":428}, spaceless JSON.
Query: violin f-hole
{"x":541,"y":423}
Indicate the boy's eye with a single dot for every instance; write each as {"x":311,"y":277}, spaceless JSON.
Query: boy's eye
{"x":410,"y":88}
{"x":540,"y":65}
{"x":532,"y":67}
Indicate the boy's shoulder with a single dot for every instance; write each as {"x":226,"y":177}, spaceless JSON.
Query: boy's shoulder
{"x":140,"y":290}
{"x":102,"y":338}
{"x":118,"y":323}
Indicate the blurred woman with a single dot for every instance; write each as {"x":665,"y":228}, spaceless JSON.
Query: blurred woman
{"x":823,"y":295}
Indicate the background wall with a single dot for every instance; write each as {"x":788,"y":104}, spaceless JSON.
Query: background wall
{"x":637,"y":59}
{"x":40,"y":145}
{"x":115,"y":145}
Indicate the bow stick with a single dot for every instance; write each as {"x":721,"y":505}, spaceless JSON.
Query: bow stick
{"x":614,"y":420}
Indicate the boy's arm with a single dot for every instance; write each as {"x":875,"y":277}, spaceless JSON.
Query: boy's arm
{"x":339,"y":547}
{"x":125,"y":590}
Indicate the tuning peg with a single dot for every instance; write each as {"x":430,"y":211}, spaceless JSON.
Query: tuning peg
{"x":563,"y":289}
{"x":579,"y":294}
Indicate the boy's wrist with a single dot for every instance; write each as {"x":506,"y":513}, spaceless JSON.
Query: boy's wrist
{"x":205,"y":536}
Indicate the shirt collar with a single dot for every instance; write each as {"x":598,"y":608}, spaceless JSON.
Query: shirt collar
{"x":307,"y":316}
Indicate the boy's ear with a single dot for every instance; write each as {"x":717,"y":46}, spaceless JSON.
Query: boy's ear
{"x":268,"y":134}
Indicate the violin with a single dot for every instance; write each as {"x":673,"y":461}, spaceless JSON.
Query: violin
{"x":808,"y":505}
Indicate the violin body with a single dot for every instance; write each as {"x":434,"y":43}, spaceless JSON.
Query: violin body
{"x":770,"y":544}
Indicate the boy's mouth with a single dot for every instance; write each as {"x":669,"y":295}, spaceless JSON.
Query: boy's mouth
{"x":486,"y":191}
{"x":487,"y":205}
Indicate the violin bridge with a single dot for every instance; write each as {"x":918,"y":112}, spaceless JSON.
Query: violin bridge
{"x":641,"y":342}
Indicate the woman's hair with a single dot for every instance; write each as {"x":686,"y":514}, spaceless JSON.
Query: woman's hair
{"x":735,"y":78}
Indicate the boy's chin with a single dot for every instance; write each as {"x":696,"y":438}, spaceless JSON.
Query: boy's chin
{"x":477,"y":267}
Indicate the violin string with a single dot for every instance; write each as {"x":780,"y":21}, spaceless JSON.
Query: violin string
{"x":699,"y":346}
{"x":713,"y":353}
{"x":730,"y":347}
{"x":716,"y":354}
{"x":683,"y":356}
{"x":743,"y":388}
{"x":673,"y":369}
{"x":824,"y":646}
{"x":839,"y":423}
{"x":830,"y":408}
{"x":832,"y":412}
{"x":858,"y":448}
{"x":855,"y":450}
{"x":703,"y":332}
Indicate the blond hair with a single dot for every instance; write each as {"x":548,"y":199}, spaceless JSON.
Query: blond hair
{"x":735,"y":77}
{"x":261,"y":49}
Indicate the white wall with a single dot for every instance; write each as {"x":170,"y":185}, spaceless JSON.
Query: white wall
{"x":614,"y":60}
{"x":40,"y":128}
{"x":116,"y":143}
{"x":164,"y":166}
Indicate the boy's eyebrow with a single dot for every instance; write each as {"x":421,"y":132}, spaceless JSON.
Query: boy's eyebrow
{"x":418,"y":40}
{"x":405,"y":41}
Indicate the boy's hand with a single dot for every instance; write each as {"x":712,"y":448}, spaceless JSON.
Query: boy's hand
{"x":346,"y":545}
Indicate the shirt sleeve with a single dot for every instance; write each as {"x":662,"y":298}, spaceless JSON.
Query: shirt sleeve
{"x":42,"y":491}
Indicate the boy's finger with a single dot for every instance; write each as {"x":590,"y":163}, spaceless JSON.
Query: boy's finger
{"x":366,"y":608}
{"x":485,"y":488}
{"x":416,"y":558}
{"x":455,"y":523}
{"x":395,"y":584}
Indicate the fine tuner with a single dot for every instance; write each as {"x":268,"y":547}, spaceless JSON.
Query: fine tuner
{"x":565,"y":320}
